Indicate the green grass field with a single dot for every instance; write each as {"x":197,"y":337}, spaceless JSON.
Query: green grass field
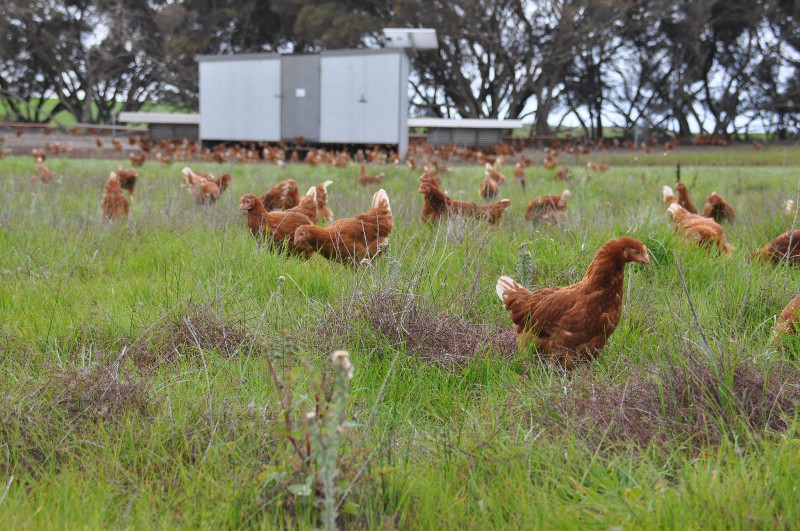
{"x":139,"y":362}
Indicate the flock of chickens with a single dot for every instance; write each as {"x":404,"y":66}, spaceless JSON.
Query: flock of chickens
{"x":568,"y":324}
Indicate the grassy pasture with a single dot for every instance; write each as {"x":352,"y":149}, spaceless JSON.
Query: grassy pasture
{"x":136,"y":361}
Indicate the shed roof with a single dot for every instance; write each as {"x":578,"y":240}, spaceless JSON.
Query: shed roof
{"x":158,"y":118}
{"x":465,"y":123}
{"x":274,"y":55}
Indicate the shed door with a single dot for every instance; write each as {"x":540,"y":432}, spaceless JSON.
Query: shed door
{"x":240,"y":99}
{"x":360,"y":100}
{"x":300,"y":97}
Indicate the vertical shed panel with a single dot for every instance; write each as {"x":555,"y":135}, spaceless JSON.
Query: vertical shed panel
{"x":339,"y":113}
{"x":239,"y":99}
{"x":404,"y":96}
{"x":359,"y":99}
{"x":300,"y":97}
{"x":382,"y":93}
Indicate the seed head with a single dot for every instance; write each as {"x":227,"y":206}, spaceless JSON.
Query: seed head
{"x":341,"y":359}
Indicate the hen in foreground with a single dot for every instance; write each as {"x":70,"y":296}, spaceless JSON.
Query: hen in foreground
{"x":571,"y":324}
{"x":350,"y":240}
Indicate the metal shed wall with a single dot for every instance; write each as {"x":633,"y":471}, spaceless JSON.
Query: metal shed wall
{"x":240,"y":98}
{"x":362,"y":97}
{"x":300,"y":97}
{"x":405,"y":96}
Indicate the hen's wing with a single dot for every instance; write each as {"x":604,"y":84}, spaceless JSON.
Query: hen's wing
{"x":560,"y":317}
{"x":538,"y":311}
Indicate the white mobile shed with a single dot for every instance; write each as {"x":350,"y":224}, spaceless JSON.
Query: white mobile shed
{"x":336,"y":97}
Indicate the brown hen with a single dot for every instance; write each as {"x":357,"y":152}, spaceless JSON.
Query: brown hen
{"x":519,"y":174}
{"x":277,"y":228}
{"x":437,"y":205}
{"x":717,"y":208}
{"x":350,"y":240}
{"x":364,"y":179}
{"x":42,"y":172}
{"x":704,"y":230}
{"x":571,"y":324}
{"x":203,"y":187}
{"x":779,"y":248}
{"x":787,"y":322}
{"x":551,"y":208}
{"x":490,"y":186}
{"x":127,"y":178}
{"x":282,"y":196}
{"x":137,"y":160}
{"x":114,"y":204}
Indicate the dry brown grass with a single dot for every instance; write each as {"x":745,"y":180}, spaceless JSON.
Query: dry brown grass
{"x":687,"y":402}
{"x":402,"y":319}
{"x":100,"y":391}
{"x":186,"y":333}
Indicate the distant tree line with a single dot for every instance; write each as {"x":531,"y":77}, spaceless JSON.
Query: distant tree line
{"x":716,"y":66}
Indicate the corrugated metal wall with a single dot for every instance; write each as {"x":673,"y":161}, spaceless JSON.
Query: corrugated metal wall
{"x":464,"y":137}
{"x":167,"y":131}
{"x":240,"y":98}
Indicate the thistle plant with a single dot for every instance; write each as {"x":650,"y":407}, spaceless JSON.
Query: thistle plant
{"x":525,"y":265}
{"x":326,"y":431}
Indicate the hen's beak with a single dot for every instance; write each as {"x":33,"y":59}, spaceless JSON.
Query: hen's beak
{"x":646,"y":259}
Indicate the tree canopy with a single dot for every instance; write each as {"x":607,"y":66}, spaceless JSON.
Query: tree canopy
{"x":719,"y":66}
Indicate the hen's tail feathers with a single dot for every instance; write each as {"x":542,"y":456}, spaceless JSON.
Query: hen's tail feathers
{"x":504,"y":285}
{"x":501,"y":205}
{"x":673,"y":208}
{"x":187,"y":171}
{"x":312,"y":192}
{"x":380,"y":198}
{"x":667,"y":193}
{"x":326,"y":184}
